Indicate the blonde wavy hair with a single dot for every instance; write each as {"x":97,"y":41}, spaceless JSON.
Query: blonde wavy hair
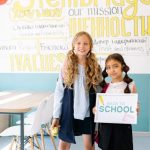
{"x":92,"y":68}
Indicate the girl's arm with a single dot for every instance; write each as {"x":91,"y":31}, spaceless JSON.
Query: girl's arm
{"x":58,"y":95}
{"x":133,"y":90}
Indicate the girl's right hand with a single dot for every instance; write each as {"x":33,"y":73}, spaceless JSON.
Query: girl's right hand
{"x":55,"y":123}
{"x":54,"y":127}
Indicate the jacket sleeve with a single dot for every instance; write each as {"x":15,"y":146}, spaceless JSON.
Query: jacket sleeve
{"x":58,"y":95}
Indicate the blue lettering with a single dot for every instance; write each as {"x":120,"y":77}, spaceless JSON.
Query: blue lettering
{"x":101,"y":108}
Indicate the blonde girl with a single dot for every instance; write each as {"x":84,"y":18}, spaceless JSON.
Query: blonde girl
{"x":75,"y":94}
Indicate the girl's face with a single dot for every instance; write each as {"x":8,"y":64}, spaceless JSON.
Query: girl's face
{"x":114,"y":70}
{"x":82,"y":46}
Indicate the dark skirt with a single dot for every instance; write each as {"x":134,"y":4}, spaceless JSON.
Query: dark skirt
{"x":115,"y":137}
{"x":82,"y":126}
{"x":79,"y":127}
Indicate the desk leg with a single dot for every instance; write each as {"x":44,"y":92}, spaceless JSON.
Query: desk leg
{"x":22,"y":131}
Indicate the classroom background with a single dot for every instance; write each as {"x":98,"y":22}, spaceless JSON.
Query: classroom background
{"x":35,"y":36}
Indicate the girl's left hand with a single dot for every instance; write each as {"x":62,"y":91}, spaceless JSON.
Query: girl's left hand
{"x":94,"y":110}
{"x":138,"y":108}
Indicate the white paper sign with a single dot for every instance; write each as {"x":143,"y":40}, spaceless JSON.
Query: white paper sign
{"x":116,"y":108}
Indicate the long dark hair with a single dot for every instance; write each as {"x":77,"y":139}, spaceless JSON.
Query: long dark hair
{"x":118,"y":57}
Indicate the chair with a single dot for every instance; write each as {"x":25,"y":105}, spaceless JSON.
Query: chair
{"x":44,"y":118}
{"x":42,"y":115}
{"x":15,"y":132}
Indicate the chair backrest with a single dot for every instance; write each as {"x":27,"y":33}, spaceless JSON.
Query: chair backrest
{"x":48,"y":109}
{"x":43,"y":114}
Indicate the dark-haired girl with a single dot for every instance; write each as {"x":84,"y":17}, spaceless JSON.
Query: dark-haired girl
{"x":116,"y":136}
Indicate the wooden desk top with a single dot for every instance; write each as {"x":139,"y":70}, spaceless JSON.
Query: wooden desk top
{"x":19,"y":102}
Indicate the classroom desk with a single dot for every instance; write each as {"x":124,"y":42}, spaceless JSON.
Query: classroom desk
{"x":13,"y":102}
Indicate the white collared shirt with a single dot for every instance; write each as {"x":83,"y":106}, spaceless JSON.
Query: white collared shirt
{"x":81,"y":96}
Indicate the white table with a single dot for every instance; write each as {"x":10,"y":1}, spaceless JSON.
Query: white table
{"x":13,"y":102}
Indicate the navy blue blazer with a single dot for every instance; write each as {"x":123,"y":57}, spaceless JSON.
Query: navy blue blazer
{"x":66,"y":120}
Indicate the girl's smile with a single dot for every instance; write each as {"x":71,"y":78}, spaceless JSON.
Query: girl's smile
{"x":82,"y":46}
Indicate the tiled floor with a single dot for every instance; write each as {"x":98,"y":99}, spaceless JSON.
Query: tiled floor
{"x":141,"y":142}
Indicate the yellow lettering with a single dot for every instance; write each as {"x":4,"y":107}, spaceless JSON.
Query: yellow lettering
{"x":108,"y":3}
{"x":148,"y":24}
{"x":60,"y":59}
{"x":95,"y":25}
{"x":133,"y":5}
{"x":41,"y":58}
{"x":135,"y":19}
{"x":41,"y":4}
{"x":72,"y":26}
{"x":53,"y":3}
{"x":115,"y":3}
{"x":34,"y":62}
{"x":17,"y":5}
{"x":114,"y":26}
{"x":73,"y":3}
{"x":104,"y":25}
{"x":37,"y":62}
{"x":79,"y":24}
{"x":121,"y":3}
{"x":63,"y":3}
{"x":107,"y":27}
{"x":27,"y":63}
{"x":12,"y":63}
{"x":49,"y":61}
{"x":145,"y":28}
{"x":19,"y":60}
{"x":123,"y":25}
{"x":86,"y":3}
{"x":146,"y":2}
{"x":96,"y":3}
